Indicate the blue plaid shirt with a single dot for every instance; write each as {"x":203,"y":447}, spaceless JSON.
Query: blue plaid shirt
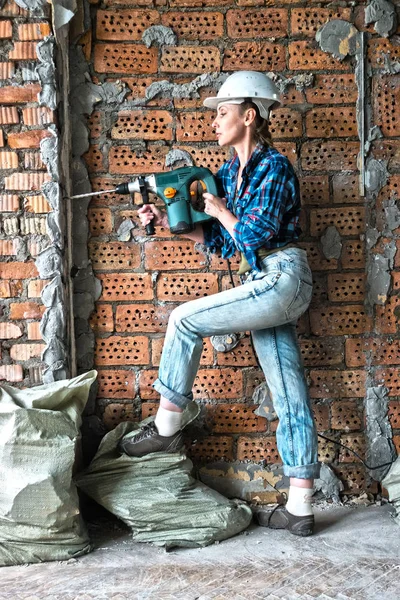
{"x":267,"y":205}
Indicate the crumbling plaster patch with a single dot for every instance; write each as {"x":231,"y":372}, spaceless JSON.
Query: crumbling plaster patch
{"x":383,"y":14}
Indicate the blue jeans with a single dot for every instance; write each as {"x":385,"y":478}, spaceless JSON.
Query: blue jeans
{"x":268,"y":304}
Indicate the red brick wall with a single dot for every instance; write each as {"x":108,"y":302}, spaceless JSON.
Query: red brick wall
{"x":345,"y":347}
{"x":23,"y":209}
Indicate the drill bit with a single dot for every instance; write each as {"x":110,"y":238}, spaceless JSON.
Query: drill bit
{"x":93,"y":194}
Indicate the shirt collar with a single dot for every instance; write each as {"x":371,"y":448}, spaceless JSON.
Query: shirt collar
{"x":255,"y":158}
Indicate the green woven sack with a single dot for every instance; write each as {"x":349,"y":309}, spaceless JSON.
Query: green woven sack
{"x":157,"y":496}
{"x":39,"y":507}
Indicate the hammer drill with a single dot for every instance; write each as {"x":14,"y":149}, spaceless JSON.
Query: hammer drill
{"x":174,"y":189}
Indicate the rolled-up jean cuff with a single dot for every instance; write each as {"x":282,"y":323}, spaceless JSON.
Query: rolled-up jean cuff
{"x":177,"y":399}
{"x":303,"y":472}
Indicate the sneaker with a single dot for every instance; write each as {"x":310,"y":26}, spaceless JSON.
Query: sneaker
{"x":280,"y":518}
{"x":148,"y":440}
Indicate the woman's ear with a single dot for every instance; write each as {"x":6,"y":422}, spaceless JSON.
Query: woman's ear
{"x":250,"y":116}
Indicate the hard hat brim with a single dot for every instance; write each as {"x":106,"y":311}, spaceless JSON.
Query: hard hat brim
{"x":264,"y":106}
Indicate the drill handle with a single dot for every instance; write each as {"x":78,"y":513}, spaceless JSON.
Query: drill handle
{"x":145,"y":197}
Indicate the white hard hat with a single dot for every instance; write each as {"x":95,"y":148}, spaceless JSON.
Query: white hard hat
{"x":247,"y":84}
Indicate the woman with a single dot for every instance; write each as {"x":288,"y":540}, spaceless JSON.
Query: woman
{"x":259,"y":217}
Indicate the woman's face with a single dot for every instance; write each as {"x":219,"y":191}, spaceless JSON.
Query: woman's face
{"x":229,"y":125}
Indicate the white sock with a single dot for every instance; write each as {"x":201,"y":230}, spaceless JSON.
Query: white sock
{"x":299,"y":501}
{"x":167,"y":422}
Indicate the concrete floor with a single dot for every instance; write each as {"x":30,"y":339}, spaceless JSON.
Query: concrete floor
{"x":355,"y":554}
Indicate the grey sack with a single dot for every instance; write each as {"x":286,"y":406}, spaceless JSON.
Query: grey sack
{"x":157,"y":496}
{"x":39,"y":508}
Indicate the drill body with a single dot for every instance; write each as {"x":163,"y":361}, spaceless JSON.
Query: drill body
{"x":173,"y":188}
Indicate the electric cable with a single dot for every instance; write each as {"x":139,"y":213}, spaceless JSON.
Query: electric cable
{"x":358,"y":456}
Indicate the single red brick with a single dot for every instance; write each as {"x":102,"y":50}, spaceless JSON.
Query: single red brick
{"x":142,"y":317}
{"x":288,"y":149}
{"x":195,"y":25}
{"x":337,"y":384}
{"x":15,"y":95}
{"x":165,"y":256}
{"x":33,"y":31}
{"x":241,"y":356}
{"x":18,"y":270}
{"x":285,"y":123}
{"x":331,"y":122}
{"x":100,"y":221}
{"x":316,"y":259}
{"x":332,"y":89}
{"x":26,"y":181}
{"x":314,"y":190}
{"x":307,"y":21}
{"x":346,"y":287}
{"x":146,"y":125}
{"x":23,"y":51}
{"x":33,"y":330}
{"x":5,"y":29}
{"x":346,"y":188}
{"x":321,"y":416}
{"x":116,"y":383}
{"x":37,"y":115}
{"x":146,"y":379}
{"x":102,"y":319}
{"x":5,"y":289}
{"x":190,"y":59}
{"x":124,"y":25}
{"x":327,"y":451}
{"x":125,"y":286}
{"x":27,"y":139}
{"x":178,"y":287}
{"x":257,"y":449}
{"x":125,"y":58}
{"x":382,"y":49}
{"x":24,"y":352}
{"x":390,"y":378}
{"x":353,"y":254}
{"x":10,"y":331}
{"x":8,"y":160}
{"x":326,"y":352}
{"x":354,"y":442}
{"x":118,"y":350}
{"x":305,"y":55}
{"x":195,"y":127}
{"x":340,"y":320}
{"x":198,"y":3}
{"x":114,"y":414}
{"x":234,"y":418}
{"x":261,"y":56}
{"x":329,"y":156}
{"x":125,"y":160}
{"x":394,"y":414}
{"x":11,"y":373}
{"x":114,"y":255}
{"x":345,"y":415}
{"x":94,"y":159}
{"x":210,"y":157}
{"x":213,"y":448}
{"x":387,"y":316}
{"x":7,"y":70}
{"x":257,"y":23}
{"x":218,"y":383}
{"x":354,"y":480}
{"x":26,"y":310}
{"x":149,"y":409}
{"x":9,"y":115}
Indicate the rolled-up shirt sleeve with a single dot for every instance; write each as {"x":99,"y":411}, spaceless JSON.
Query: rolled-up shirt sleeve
{"x":262,"y":218}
